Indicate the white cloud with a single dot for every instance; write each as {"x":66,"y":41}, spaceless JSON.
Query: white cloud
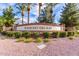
{"x":5,"y":5}
{"x":2,"y":6}
{"x":32,"y":20}
{"x":35,"y":10}
{"x":11,"y":4}
{"x":19,"y":21}
{"x":43,"y":6}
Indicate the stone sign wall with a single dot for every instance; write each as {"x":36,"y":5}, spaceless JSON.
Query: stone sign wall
{"x":39,"y":28}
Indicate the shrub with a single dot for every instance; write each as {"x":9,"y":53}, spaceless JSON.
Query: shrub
{"x":28,"y":40}
{"x":17,"y":34}
{"x":55,"y":34}
{"x":70,"y":34}
{"x":9,"y":34}
{"x":71,"y":37}
{"x":39,"y":40}
{"x":3,"y":32}
{"x":36,"y":34}
{"x":46,"y":34}
{"x":62,"y":34}
{"x":26,"y":34}
{"x":46,"y":40}
{"x":77,"y":34}
{"x":20,"y":39}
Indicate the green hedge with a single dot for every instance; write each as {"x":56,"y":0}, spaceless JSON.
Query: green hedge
{"x":17,"y":34}
{"x":3,"y":33}
{"x":39,"y":40}
{"x":10,"y":34}
{"x":36,"y":34}
{"x":62,"y":34}
{"x":46,"y":34}
{"x":55,"y":34}
{"x":26,"y":34}
{"x":70,"y":34}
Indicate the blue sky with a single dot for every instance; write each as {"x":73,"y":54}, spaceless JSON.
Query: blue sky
{"x":33,"y":12}
{"x":57,"y":11}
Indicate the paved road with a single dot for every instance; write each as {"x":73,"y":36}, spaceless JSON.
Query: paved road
{"x":60,"y":47}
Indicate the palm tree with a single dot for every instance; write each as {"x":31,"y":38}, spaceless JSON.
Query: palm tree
{"x":22,"y":7}
{"x":28,"y":9}
{"x":40,"y":4}
{"x":8,"y":16}
{"x":47,"y":13}
{"x":7,"y":19}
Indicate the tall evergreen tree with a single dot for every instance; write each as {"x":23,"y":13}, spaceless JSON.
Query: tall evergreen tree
{"x":8,"y":16}
{"x":70,"y":16}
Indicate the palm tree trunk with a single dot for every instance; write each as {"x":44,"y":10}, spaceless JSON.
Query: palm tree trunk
{"x":28,"y":16}
{"x":4,"y":28}
{"x":28,"y":12}
{"x":22,"y":16}
{"x":22,"y":19}
{"x":40,"y":4}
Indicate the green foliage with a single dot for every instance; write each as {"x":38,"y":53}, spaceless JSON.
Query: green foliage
{"x":39,"y":40}
{"x":3,"y":32}
{"x":28,"y":40}
{"x":10,"y":34}
{"x":43,"y":19}
{"x":62,"y":34}
{"x":77,"y":34}
{"x":70,"y":34}
{"x":20,"y":39}
{"x":26,"y":34}
{"x":1,"y":21}
{"x":8,"y":16}
{"x":36,"y":34}
{"x":46,"y":34}
{"x":22,"y":8}
{"x":55,"y":34}
{"x":46,"y":13}
{"x":46,"y":40}
{"x":71,"y":37}
{"x":17,"y":34}
{"x":1,"y":28}
{"x":70,"y":15}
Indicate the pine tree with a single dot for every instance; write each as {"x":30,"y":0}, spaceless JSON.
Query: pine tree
{"x":70,"y":16}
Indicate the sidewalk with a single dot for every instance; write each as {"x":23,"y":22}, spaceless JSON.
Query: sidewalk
{"x":60,"y":47}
